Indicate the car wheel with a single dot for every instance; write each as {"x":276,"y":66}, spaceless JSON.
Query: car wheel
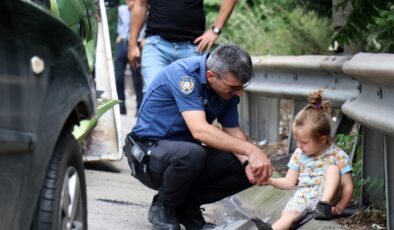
{"x":62,"y":203}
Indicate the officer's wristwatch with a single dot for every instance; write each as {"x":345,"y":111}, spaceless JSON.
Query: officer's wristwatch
{"x":245,"y":163}
{"x":216,"y":30}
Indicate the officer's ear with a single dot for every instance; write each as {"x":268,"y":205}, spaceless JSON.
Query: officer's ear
{"x":210,"y":76}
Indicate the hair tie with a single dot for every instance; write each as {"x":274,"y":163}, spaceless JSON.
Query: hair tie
{"x":317,"y":106}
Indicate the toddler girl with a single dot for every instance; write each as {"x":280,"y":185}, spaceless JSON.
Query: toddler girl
{"x":320,"y":170}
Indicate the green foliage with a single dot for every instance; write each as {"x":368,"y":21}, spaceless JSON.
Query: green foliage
{"x":370,"y":23}
{"x":358,"y":181}
{"x":381,"y":36}
{"x":322,"y":7}
{"x":272,"y":27}
{"x":112,"y":16}
{"x":346,"y":143}
{"x":81,"y":131}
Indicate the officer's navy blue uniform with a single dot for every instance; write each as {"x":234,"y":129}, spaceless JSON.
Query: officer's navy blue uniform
{"x":183,"y":170}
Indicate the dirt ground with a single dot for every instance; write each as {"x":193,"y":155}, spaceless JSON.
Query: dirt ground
{"x":366,"y":219}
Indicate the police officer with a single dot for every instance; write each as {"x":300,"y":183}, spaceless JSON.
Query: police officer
{"x":188,"y":160}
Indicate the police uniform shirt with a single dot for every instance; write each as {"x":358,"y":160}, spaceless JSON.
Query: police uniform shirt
{"x":182,"y":86}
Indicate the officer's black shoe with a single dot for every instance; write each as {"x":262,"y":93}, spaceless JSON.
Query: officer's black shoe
{"x":152,"y":205}
{"x":191,"y":217}
{"x":162,"y":217}
{"x":323,"y":211}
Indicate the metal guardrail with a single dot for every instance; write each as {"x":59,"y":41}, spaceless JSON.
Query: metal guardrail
{"x":292,"y":77}
{"x":361,"y":86}
{"x":296,"y":76}
{"x":374,"y":108}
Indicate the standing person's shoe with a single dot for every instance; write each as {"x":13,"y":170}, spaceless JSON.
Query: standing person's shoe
{"x":122,"y":108}
{"x":162,"y":217}
{"x":323,"y":211}
{"x":191,"y":217}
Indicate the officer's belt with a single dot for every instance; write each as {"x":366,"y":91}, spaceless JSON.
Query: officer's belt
{"x":144,"y":141}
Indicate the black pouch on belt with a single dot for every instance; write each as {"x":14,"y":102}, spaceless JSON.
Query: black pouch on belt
{"x":138,"y":160}
{"x":134,"y":149}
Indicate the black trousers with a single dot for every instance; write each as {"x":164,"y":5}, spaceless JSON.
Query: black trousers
{"x":188,"y":173}
{"x":121,"y":62}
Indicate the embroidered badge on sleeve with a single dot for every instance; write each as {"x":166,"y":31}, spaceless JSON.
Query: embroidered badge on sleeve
{"x":186,"y":84}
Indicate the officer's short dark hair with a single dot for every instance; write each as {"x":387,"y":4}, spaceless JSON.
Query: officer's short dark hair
{"x":231,"y":59}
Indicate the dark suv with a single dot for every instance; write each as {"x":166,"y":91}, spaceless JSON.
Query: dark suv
{"x":46,"y":87}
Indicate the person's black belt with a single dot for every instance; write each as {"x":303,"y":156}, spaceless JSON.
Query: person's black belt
{"x":124,"y":40}
{"x":147,"y":143}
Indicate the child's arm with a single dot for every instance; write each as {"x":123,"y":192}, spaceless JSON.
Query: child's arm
{"x":347,"y":193}
{"x":285,"y":183}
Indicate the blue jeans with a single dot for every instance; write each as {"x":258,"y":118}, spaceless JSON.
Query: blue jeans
{"x":121,"y":62}
{"x":158,"y":53}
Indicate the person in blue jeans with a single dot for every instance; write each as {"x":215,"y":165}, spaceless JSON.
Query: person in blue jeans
{"x":121,"y":60}
{"x":175,"y":30}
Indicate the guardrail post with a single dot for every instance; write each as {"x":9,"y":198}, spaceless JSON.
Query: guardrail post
{"x":254,"y":117}
{"x":244,"y":115}
{"x":264,"y":119}
{"x":389,"y":159}
{"x":292,"y":144}
{"x":373,"y":165}
{"x":343,"y":125}
{"x":273,"y":114}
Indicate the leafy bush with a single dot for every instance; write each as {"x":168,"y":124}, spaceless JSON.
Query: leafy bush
{"x":370,"y":23}
{"x":273,"y":27}
{"x":346,"y":142}
{"x":112,"y":16}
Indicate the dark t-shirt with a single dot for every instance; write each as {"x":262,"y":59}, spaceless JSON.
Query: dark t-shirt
{"x":176,"y":20}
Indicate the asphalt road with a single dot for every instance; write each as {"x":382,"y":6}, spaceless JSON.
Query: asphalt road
{"x":115,"y":199}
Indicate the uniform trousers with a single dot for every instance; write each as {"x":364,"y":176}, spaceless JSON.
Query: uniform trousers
{"x":187,"y":173}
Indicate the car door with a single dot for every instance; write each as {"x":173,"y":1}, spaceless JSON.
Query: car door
{"x":16,"y":136}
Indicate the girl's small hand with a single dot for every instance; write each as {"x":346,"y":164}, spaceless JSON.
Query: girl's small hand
{"x":266,"y":182}
{"x":249,"y":174}
{"x":337,"y":209}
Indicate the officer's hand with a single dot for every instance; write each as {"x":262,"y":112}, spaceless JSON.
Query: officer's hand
{"x":260,"y":164}
{"x":249,"y":174}
{"x":206,"y":40}
{"x":134,"y":56}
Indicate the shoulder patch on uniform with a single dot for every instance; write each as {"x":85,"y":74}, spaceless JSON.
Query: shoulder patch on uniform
{"x":186,"y":84}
